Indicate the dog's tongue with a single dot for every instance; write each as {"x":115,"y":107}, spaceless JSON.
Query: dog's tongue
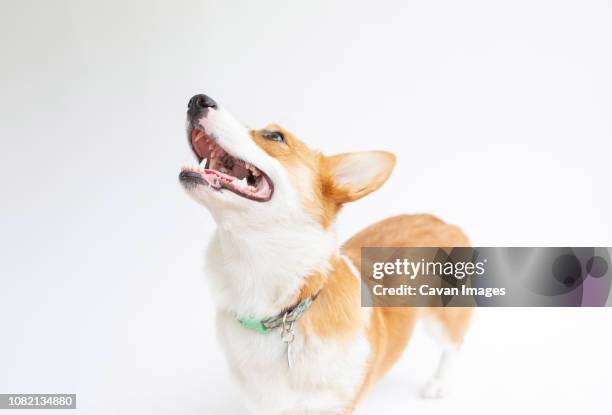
{"x":212,"y":179}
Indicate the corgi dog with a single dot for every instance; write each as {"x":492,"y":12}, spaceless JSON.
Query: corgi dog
{"x":289,"y":316}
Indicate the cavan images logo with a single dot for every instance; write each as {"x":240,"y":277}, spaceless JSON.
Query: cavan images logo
{"x":486,"y":277}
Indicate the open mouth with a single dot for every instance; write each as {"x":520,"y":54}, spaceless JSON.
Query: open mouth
{"x":220,"y":170}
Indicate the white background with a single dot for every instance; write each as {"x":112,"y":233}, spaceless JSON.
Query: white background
{"x":499,"y":113}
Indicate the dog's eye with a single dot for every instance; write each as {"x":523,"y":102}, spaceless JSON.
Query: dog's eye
{"x":274,"y":136}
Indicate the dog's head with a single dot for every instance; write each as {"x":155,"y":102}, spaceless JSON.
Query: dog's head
{"x":267,"y":175}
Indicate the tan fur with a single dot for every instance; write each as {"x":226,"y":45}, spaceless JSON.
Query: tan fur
{"x":332,"y":166}
{"x":313,"y":174}
{"x":337,"y":313}
{"x":391,"y":328}
{"x":307,"y":170}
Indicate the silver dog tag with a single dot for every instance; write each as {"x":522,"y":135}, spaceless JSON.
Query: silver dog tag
{"x":289,"y":356}
{"x":288,"y":336}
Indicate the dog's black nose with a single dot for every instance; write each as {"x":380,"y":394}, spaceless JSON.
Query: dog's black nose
{"x":200,"y":102}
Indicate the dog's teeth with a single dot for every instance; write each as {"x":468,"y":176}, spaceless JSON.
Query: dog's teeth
{"x":240,"y":183}
{"x":251,"y":168}
{"x":203,"y":163}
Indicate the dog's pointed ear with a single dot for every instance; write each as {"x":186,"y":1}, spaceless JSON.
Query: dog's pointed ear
{"x":351,"y":176}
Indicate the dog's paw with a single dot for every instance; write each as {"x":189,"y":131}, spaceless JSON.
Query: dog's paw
{"x":435,"y":389}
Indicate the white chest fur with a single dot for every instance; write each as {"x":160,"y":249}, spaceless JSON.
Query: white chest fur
{"x":260,"y":279}
{"x":325,"y":376}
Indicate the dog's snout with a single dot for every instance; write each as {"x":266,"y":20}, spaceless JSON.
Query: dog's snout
{"x":199,"y":103}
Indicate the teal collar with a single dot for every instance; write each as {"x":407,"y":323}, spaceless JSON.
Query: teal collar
{"x":289,"y":315}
